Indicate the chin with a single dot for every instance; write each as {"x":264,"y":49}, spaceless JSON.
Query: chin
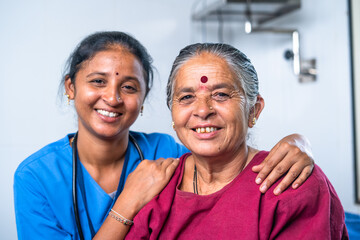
{"x":107,"y":134}
{"x":204,"y":151}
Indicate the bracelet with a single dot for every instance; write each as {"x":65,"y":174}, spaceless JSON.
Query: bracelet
{"x":117,"y":216}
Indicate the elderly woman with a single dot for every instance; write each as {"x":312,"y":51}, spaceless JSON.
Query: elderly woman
{"x":214,"y":99}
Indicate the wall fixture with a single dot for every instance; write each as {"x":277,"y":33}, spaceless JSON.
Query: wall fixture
{"x":254,"y":13}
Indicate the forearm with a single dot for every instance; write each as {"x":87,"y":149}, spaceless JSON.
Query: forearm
{"x":114,"y":229}
{"x":148,"y":179}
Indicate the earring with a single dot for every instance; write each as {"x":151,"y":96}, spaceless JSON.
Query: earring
{"x":173,"y":125}
{"x":141,"y":110}
{"x":68,"y":98}
{"x":254,"y":121}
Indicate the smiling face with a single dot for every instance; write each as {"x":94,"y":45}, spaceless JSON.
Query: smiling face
{"x":108,"y":93}
{"x":209,"y":115}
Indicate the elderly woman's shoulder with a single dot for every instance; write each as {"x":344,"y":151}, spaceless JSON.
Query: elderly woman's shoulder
{"x":315,"y":188}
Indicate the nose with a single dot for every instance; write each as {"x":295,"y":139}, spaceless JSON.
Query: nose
{"x":111,"y":95}
{"x":203,"y":108}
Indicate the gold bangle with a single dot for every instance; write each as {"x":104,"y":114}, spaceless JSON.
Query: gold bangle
{"x":117,"y":216}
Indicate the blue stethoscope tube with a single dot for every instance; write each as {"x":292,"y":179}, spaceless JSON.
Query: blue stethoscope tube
{"x":74,"y":179}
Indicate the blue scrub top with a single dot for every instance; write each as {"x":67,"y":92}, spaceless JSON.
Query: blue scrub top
{"x":43,"y":192}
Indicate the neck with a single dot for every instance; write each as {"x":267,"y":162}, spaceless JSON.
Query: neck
{"x":215,"y":173}
{"x":101,"y":152}
{"x":103,"y":158}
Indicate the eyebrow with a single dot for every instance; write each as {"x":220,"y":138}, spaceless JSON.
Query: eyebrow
{"x":212,"y":88}
{"x":96,"y":73}
{"x":186,"y":89}
{"x":221,"y":85}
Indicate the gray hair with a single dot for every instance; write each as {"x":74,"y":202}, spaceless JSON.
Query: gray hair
{"x":237,"y":61}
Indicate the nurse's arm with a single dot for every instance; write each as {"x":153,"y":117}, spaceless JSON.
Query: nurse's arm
{"x":291,"y":155}
{"x":148,"y":179}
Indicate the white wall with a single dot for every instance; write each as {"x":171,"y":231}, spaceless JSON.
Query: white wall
{"x":37,"y":36}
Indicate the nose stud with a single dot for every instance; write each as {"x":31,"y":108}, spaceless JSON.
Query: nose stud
{"x":211,"y":108}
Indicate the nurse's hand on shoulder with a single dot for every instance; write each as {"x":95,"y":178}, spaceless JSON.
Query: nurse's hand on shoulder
{"x":292,"y":155}
{"x":148,"y":179}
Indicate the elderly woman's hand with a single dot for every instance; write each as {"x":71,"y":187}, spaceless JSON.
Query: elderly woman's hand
{"x":292,"y":155}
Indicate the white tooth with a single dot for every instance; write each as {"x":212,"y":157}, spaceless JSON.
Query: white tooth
{"x":198,"y":130}
{"x":202,"y":130}
{"x":106,"y":113}
{"x":211,"y":129}
{"x":207,"y":129}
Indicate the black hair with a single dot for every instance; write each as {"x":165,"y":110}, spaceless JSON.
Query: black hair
{"x":101,"y":41}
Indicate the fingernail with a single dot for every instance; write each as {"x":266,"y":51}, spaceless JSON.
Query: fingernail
{"x":295,"y":185}
{"x":258,"y":180}
{"x":277,"y":191}
{"x":263,"y":188}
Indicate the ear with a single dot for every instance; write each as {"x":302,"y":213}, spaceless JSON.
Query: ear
{"x":69,"y":87}
{"x":256,"y":111}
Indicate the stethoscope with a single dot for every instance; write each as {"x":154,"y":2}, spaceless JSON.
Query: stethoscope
{"x":74,"y":178}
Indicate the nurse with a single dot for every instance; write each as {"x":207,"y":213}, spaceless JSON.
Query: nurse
{"x":108,"y":78}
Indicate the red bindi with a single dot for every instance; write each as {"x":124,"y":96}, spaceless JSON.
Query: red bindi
{"x":204,"y":79}
{"x":117,"y":73}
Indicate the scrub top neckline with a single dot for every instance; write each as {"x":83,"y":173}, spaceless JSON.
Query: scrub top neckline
{"x":121,"y":184}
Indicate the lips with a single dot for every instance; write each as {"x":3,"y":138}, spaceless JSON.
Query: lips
{"x":108,"y":113}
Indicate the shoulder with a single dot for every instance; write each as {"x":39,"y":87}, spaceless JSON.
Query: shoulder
{"x":314,"y":208}
{"x":155,"y":213}
{"x":49,"y":155}
{"x":152,"y":137}
{"x":159,"y":144}
{"x":316,"y":194}
{"x":315,"y":189}
{"x":259,"y":157}
{"x":317,"y":184}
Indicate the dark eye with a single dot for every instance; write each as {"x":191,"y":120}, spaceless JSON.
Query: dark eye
{"x":220,"y":96}
{"x":186,"y":99}
{"x":98,"y":81}
{"x":129,"y":88}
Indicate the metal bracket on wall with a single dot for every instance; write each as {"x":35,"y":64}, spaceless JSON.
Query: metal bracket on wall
{"x":255,"y":13}
{"x":305,"y":70}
